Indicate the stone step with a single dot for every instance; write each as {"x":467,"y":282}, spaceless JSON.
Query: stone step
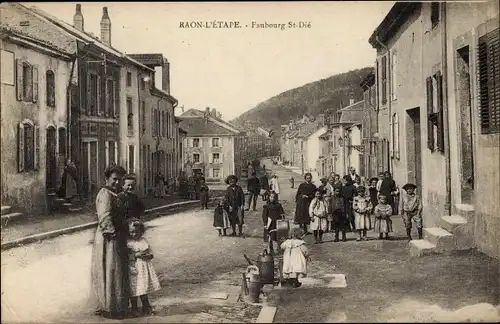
{"x":465,"y":210}
{"x":450,"y":223}
{"x":420,"y":248}
{"x":5,"y":210}
{"x":441,"y":238}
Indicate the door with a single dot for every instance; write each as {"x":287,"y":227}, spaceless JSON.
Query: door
{"x":51,"y":160}
{"x":466,"y":142}
{"x":414,"y":147}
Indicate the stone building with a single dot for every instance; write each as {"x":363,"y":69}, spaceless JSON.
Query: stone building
{"x":158,"y":134}
{"x":210,"y":145}
{"x":349,"y":138}
{"x":370,"y":141}
{"x":438,"y":80}
{"x":37,"y":62}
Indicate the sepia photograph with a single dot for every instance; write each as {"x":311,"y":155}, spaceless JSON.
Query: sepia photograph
{"x":250,"y":162}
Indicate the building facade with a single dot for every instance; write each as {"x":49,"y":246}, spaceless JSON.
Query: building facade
{"x":370,"y":141}
{"x":209,"y":147}
{"x":443,"y":58}
{"x":37,"y":62}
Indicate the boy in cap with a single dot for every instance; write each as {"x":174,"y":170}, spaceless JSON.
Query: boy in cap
{"x":410,"y":209}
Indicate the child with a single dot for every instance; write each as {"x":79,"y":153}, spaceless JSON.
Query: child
{"x":318,"y":211}
{"x":410,"y":208}
{"x":362,"y":207}
{"x":271,"y":212}
{"x":134,"y":207}
{"x":383,"y":222}
{"x":292,"y":181}
{"x":349,"y":192}
{"x":203,"y":194}
{"x":372,"y":190}
{"x":295,"y":257}
{"x":221,"y":217}
{"x":339,"y":221}
{"x":142,"y":275}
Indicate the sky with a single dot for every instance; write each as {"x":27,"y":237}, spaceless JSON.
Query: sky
{"x":233,"y":70}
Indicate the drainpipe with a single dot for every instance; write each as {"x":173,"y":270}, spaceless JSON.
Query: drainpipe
{"x":446,"y":122}
{"x":389,"y":95}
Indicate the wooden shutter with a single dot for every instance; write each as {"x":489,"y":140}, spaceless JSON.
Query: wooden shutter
{"x":430,"y":125}
{"x":440,"y":124}
{"x":35,"y":83}
{"x":20,"y":148}
{"x":98,"y":100}
{"x":19,"y":79}
{"x":384,"y":80}
{"x":494,"y":80}
{"x":36,"y":140}
{"x":116,"y":102}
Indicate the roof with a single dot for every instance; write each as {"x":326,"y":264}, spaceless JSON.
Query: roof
{"x":398,"y":14}
{"x":200,"y":126}
{"x":160,"y":93}
{"x":368,"y":81}
{"x":352,"y":114}
{"x":21,"y":21}
{"x":307,"y":130}
{"x":83,"y":36}
{"x":149,"y":58}
{"x":325,"y":135}
{"x":192,"y":113}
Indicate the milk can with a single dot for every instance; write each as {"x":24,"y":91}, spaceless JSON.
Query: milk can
{"x":265,"y":261}
{"x":254,"y":285}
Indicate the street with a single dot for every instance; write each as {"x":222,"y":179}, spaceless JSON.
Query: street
{"x":49,"y":281}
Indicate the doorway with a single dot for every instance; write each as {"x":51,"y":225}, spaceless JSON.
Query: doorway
{"x":414,"y":147}
{"x":466,"y":143}
{"x":51,"y":159}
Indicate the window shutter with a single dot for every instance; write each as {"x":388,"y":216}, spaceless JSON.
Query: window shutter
{"x":20,"y":149}
{"x":396,"y":140}
{"x":430,"y":125}
{"x":210,"y":142}
{"x":116,"y":107}
{"x":98,"y":99}
{"x":35,"y":83}
{"x":440,"y":130}
{"x":36,"y":135}
{"x":391,"y":137}
{"x":19,"y":79}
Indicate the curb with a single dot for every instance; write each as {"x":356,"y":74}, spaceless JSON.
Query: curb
{"x":149,"y":213}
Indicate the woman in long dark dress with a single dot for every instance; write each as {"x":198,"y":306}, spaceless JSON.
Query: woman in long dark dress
{"x":348,"y":192}
{"x":389,"y":189}
{"x":109,"y":269}
{"x":236,"y":200}
{"x":68,"y":189}
{"x":303,"y":198}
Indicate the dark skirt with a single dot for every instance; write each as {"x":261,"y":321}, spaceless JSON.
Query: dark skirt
{"x":235,"y":219}
{"x":340,"y":221}
{"x":302,"y":211}
{"x":204,"y":197}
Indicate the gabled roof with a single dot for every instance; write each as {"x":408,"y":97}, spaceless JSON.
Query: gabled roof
{"x":149,"y":58}
{"x":200,"y":126}
{"x":352,"y":114}
{"x":21,"y":21}
{"x":84,"y":37}
{"x":192,"y":113}
{"x":325,"y":135}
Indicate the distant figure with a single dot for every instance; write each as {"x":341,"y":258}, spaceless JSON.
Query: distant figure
{"x":271,"y":212}
{"x":274,"y":185}
{"x":204,"y":193}
{"x":264,"y":187}
{"x":236,"y":201}
{"x":159,"y":185}
{"x":221,"y":217}
{"x":292,"y":182}
{"x":253,"y":187}
{"x":68,"y":189}
{"x":303,"y":198}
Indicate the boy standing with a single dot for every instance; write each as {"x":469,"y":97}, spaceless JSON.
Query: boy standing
{"x":410,"y":209}
{"x":134,"y":207}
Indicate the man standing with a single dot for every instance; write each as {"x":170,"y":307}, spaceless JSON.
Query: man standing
{"x":356,"y":179}
{"x":264,"y":186}
{"x":253,"y":187}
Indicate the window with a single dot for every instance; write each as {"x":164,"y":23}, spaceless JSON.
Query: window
{"x":384,"y":80}
{"x":62,"y":140}
{"x":51,"y":88}
{"x":215,"y":158}
{"x":434,"y":14}
{"x":93,"y":93}
{"x":112,"y":152}
{"x":27,"y":82}
{"x":131,"y":159}
{"x":215,"y":142}
{"x":196,"y":158}
{"x":110,"y":98}
{"x":435,"y":131}
{"x":28,"y":147}
{"x":129,"y":79}
{"x":377,"y":85}
{"x":394,"y":85}
{"x":489,"y":82}
{"x":130,"y":117}
{"x":196,"y":142}
{"x":216,"y":173}
{"x":162,"y":119}
{"x":395,"y":136}
{"x":143,"y":116}
{"x":143,"y":84}
{"x":153,"y":122}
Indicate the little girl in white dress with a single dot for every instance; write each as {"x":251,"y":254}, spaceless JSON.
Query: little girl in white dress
{"x":295,"y":258}
{"x":142,"y":275}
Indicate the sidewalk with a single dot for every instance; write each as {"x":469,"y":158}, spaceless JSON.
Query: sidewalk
{"x":33,"y":225}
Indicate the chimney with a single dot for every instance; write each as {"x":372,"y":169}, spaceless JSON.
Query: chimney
{"x":207,"y":111}
{"x":165,"y":75}
{"x":105,"y":27}
{"x":351,"y":99}
{"x":78,"y":18}
{"x":214,"y":113}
